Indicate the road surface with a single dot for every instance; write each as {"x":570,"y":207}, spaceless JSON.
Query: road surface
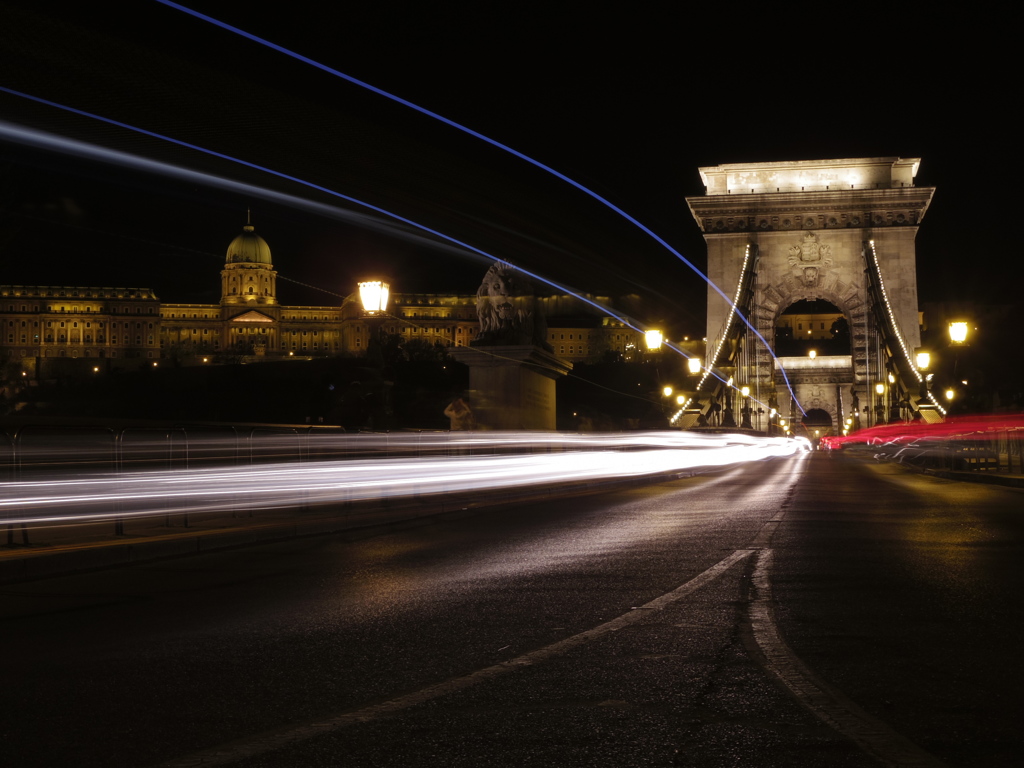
{"x":809,"y":611}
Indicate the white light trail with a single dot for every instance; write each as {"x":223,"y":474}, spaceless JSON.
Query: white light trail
{"x":105,"y":496}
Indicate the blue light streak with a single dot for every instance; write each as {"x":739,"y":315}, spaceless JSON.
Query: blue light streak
{"x":493,"y":142}
{"x":53,"y":143}
{"x":60,"y":144}
{"x":280,"y":174}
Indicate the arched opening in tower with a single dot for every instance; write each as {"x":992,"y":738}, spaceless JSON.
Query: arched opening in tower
{"x":807,"y":325}
{"x":816,"y":422}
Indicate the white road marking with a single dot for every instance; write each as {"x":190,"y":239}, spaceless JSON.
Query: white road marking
{"x":870,"y":734}
{"x":257,"y":745}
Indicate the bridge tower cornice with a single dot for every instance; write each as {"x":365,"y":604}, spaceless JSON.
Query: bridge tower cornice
{"x":789,"y":211}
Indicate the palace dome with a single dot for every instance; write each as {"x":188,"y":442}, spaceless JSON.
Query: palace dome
{"x":248,"y":248}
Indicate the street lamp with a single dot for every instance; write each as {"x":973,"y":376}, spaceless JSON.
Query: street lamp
{"x":728,"y":418}
{"x":374,"y":295}
{"x":746,"y":424}
{"x":653,"y":338}
{"x":958,"y":332}
{"x":880,"y":405}
{"x":693,"y":365}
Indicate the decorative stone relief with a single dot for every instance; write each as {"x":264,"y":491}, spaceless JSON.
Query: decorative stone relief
{"x":810,"y":261}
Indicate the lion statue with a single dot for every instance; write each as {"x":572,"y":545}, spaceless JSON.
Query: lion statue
{"x":505,"y":308}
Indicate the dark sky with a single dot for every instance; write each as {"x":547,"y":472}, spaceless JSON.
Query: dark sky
{"x":629,"y":103}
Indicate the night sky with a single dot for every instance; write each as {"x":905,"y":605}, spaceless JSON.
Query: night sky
{"x":628,"y":103}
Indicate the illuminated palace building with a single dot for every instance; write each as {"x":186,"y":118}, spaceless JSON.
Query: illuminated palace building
{"x":129,"y":326}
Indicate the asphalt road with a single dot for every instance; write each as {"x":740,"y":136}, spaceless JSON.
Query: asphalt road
{"x":813,"y":611}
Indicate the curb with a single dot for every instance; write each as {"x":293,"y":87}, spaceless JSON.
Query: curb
{"x":1010,"y":481}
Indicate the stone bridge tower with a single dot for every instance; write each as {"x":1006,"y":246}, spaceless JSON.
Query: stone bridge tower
{"x":798,"y":235}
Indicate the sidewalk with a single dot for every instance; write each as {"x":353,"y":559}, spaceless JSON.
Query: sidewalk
{"x":990,"y":476}
{"x":996,"y":468}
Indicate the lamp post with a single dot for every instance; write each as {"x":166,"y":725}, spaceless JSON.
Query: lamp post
{"x":923,"y":361}
{"x":373,"y":408}
{"x":374,"y":295}
{"x":728,"y":417}
{"x":894,"y":400}
{"x":880,"y":403}
{"x":959,"y":332}
{"x":745,"y":423}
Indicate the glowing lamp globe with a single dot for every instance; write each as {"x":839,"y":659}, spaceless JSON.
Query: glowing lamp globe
{"x":374,"y":296}
{"x":958,"y":332}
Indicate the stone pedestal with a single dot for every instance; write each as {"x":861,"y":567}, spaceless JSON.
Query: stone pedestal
{"x":512,"y":387}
